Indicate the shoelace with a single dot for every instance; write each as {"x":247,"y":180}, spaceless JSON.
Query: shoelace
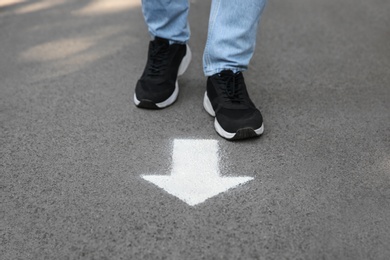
{"x":158,"y":59}
{"x":230,"y":85}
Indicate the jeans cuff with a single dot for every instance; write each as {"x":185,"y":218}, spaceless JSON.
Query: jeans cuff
{"x":211,"y":72}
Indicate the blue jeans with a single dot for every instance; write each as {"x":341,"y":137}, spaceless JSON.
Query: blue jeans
{"x":231,"y":35}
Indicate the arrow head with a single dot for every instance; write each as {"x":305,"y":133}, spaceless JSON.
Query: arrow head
{"x":195,"y":191}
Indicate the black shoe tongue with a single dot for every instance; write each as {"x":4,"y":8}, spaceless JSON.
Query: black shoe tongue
{"x":161,"y":41}
{"x":227,"y":72}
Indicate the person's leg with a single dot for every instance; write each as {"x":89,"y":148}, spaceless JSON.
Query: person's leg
{"x":167,"y":19}
{"x":231,"y":35}
{"x":229,"y":48}
{"x":168,"y":55}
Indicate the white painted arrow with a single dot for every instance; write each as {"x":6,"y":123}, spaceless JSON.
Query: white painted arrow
{"x":195,"y":173}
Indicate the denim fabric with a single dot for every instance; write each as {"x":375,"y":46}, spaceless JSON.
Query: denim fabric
{"x":231,"y":35}
{"x":167,"y":19}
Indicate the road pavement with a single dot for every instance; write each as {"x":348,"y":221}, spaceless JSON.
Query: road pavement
{"x":74,"y":148}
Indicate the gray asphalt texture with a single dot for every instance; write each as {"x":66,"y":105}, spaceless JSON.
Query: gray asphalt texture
{"x":73,"y":145}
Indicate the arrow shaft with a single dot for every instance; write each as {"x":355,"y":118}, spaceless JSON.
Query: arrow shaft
{"x":195,"y":158}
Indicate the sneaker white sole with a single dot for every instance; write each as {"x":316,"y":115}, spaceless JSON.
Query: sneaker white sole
{"x":240,"y":134}
{"x":182,"y":68}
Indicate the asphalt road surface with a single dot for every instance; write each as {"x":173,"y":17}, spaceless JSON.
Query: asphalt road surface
{"x":76,"y":153}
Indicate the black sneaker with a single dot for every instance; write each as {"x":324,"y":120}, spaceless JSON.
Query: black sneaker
{"x":227,"y":99}
{"x":158,"y":87}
